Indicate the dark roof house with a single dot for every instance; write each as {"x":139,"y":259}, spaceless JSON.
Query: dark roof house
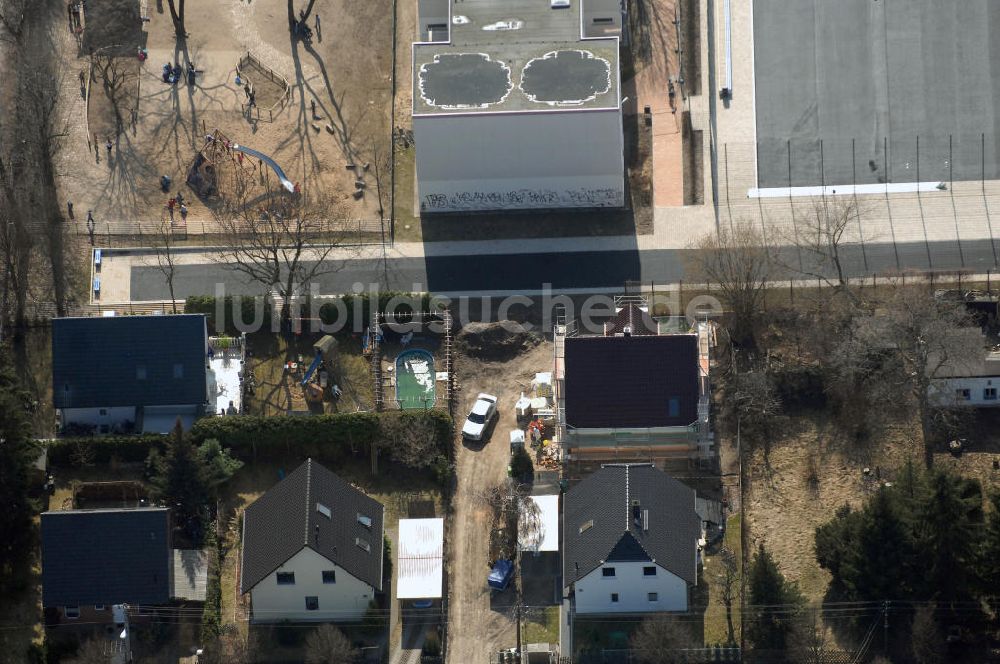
{"x":630,"y":512}
{"x":312,"y":507}
{"x":129,"y":361}
{"x":636,"y":381}
{"x":106,"y":556}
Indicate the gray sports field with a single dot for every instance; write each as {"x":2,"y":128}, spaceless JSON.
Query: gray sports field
{"x":841,"y":84}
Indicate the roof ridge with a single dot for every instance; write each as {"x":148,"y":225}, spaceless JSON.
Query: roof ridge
{"x":628,"y":495}
{"x":305,"y":539}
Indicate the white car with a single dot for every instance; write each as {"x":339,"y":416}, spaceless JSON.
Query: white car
{"x":484,"y":410}
{"x":558,"y":4}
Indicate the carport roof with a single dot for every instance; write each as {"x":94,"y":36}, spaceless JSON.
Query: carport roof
{"x":421,"y":553}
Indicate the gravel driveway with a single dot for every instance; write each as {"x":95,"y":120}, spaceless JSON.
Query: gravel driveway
{"x":481,"y":623}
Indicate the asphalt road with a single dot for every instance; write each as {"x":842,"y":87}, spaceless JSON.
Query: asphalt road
{"x":569,"y":271}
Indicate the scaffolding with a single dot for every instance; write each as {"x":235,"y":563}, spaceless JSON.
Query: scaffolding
{"x":381,"y":382}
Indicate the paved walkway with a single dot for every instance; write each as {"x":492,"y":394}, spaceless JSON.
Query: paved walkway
{"x":652,"y":84}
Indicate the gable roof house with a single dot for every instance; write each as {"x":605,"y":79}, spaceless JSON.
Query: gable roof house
{"x":964,"y":373}
{"x":94,"y":559}
{"x":312,"y":549}
{"x":635,"y":391}
{"x":630,"y":535}
{"x":129,"y":372}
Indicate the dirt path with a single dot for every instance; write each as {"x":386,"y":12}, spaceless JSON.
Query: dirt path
{"x":478,"y":622}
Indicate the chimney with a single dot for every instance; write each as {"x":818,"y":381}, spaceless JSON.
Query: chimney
{"x":316,"y":534}
{"x":636,"y":513}
{"x":627,"y":330}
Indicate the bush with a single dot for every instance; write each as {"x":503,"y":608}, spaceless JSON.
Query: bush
{"x":329,"y":437}
{"x":386,"y":559}
{"x":80,"y":451}
{"x":211,"y":617}
{"x":346,"y":316}
{"x":206,"y":304}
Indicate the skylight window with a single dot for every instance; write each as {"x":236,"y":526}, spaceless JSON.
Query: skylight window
{"x":365,"y":521}
{"x":363,"y":544}
{"x":324,"y":510}
{"x":587,"y":526}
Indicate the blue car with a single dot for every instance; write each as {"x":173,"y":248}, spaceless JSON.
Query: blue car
{"x":501,"y":574}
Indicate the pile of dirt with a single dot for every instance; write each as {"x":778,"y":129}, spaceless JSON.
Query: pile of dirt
{"x":497,"y":342}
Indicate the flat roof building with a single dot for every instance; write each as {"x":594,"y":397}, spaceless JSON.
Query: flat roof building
{"x":518,"y":105}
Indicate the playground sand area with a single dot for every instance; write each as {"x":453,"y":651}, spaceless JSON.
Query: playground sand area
{"x":345,"y":70}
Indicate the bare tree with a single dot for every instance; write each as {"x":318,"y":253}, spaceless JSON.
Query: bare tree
{"x":42,"y":137}
{"x":740,"y":263}
{"x":113,"y":72}
{"x":281,"y":241}
{"x":730,"y":588}
{"x":328,"y":645}
{"x":928,"y":338}
{"x":661,"y":640}
{"x":756,"y":400}
{"x":821,"y":236}
{"x":28,"y":206}
{"x":166,"y":256}
{"x":515,"y":517}
{"x":12,"y":19}
{"x":177,"y":16}
{"x":411,"y":443}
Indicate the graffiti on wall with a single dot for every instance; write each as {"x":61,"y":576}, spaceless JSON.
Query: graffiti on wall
{"x":523,"y":198}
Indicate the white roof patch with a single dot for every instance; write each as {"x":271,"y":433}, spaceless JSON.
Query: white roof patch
{"x":419,"y":562}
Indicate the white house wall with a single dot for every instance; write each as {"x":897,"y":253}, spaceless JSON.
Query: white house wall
{"x":345,"y":600}
{"x":593,"y":592}
{"x":98,"y":416}
{"x":943,"y":391}
{"x":522,"y":160}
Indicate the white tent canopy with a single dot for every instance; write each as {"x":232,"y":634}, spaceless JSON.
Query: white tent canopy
{"x":419,"y":562}
{"x":540,"y":531}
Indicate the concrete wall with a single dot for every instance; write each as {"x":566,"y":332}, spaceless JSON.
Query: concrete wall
{"x":345,"y":600}
{"x":507,"y":161}
{"x":593,"y":592}
{"x":944,"y":391}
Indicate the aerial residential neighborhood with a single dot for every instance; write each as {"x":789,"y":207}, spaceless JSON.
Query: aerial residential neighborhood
{"x":496,"y":332}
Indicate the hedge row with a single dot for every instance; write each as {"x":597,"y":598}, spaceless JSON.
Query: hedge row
{"x":206,"y":304}
{"x":84,"y":450}
{"x":330,"y":437}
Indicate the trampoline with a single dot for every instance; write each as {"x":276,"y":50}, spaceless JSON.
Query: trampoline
{"x":415,"y":376}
